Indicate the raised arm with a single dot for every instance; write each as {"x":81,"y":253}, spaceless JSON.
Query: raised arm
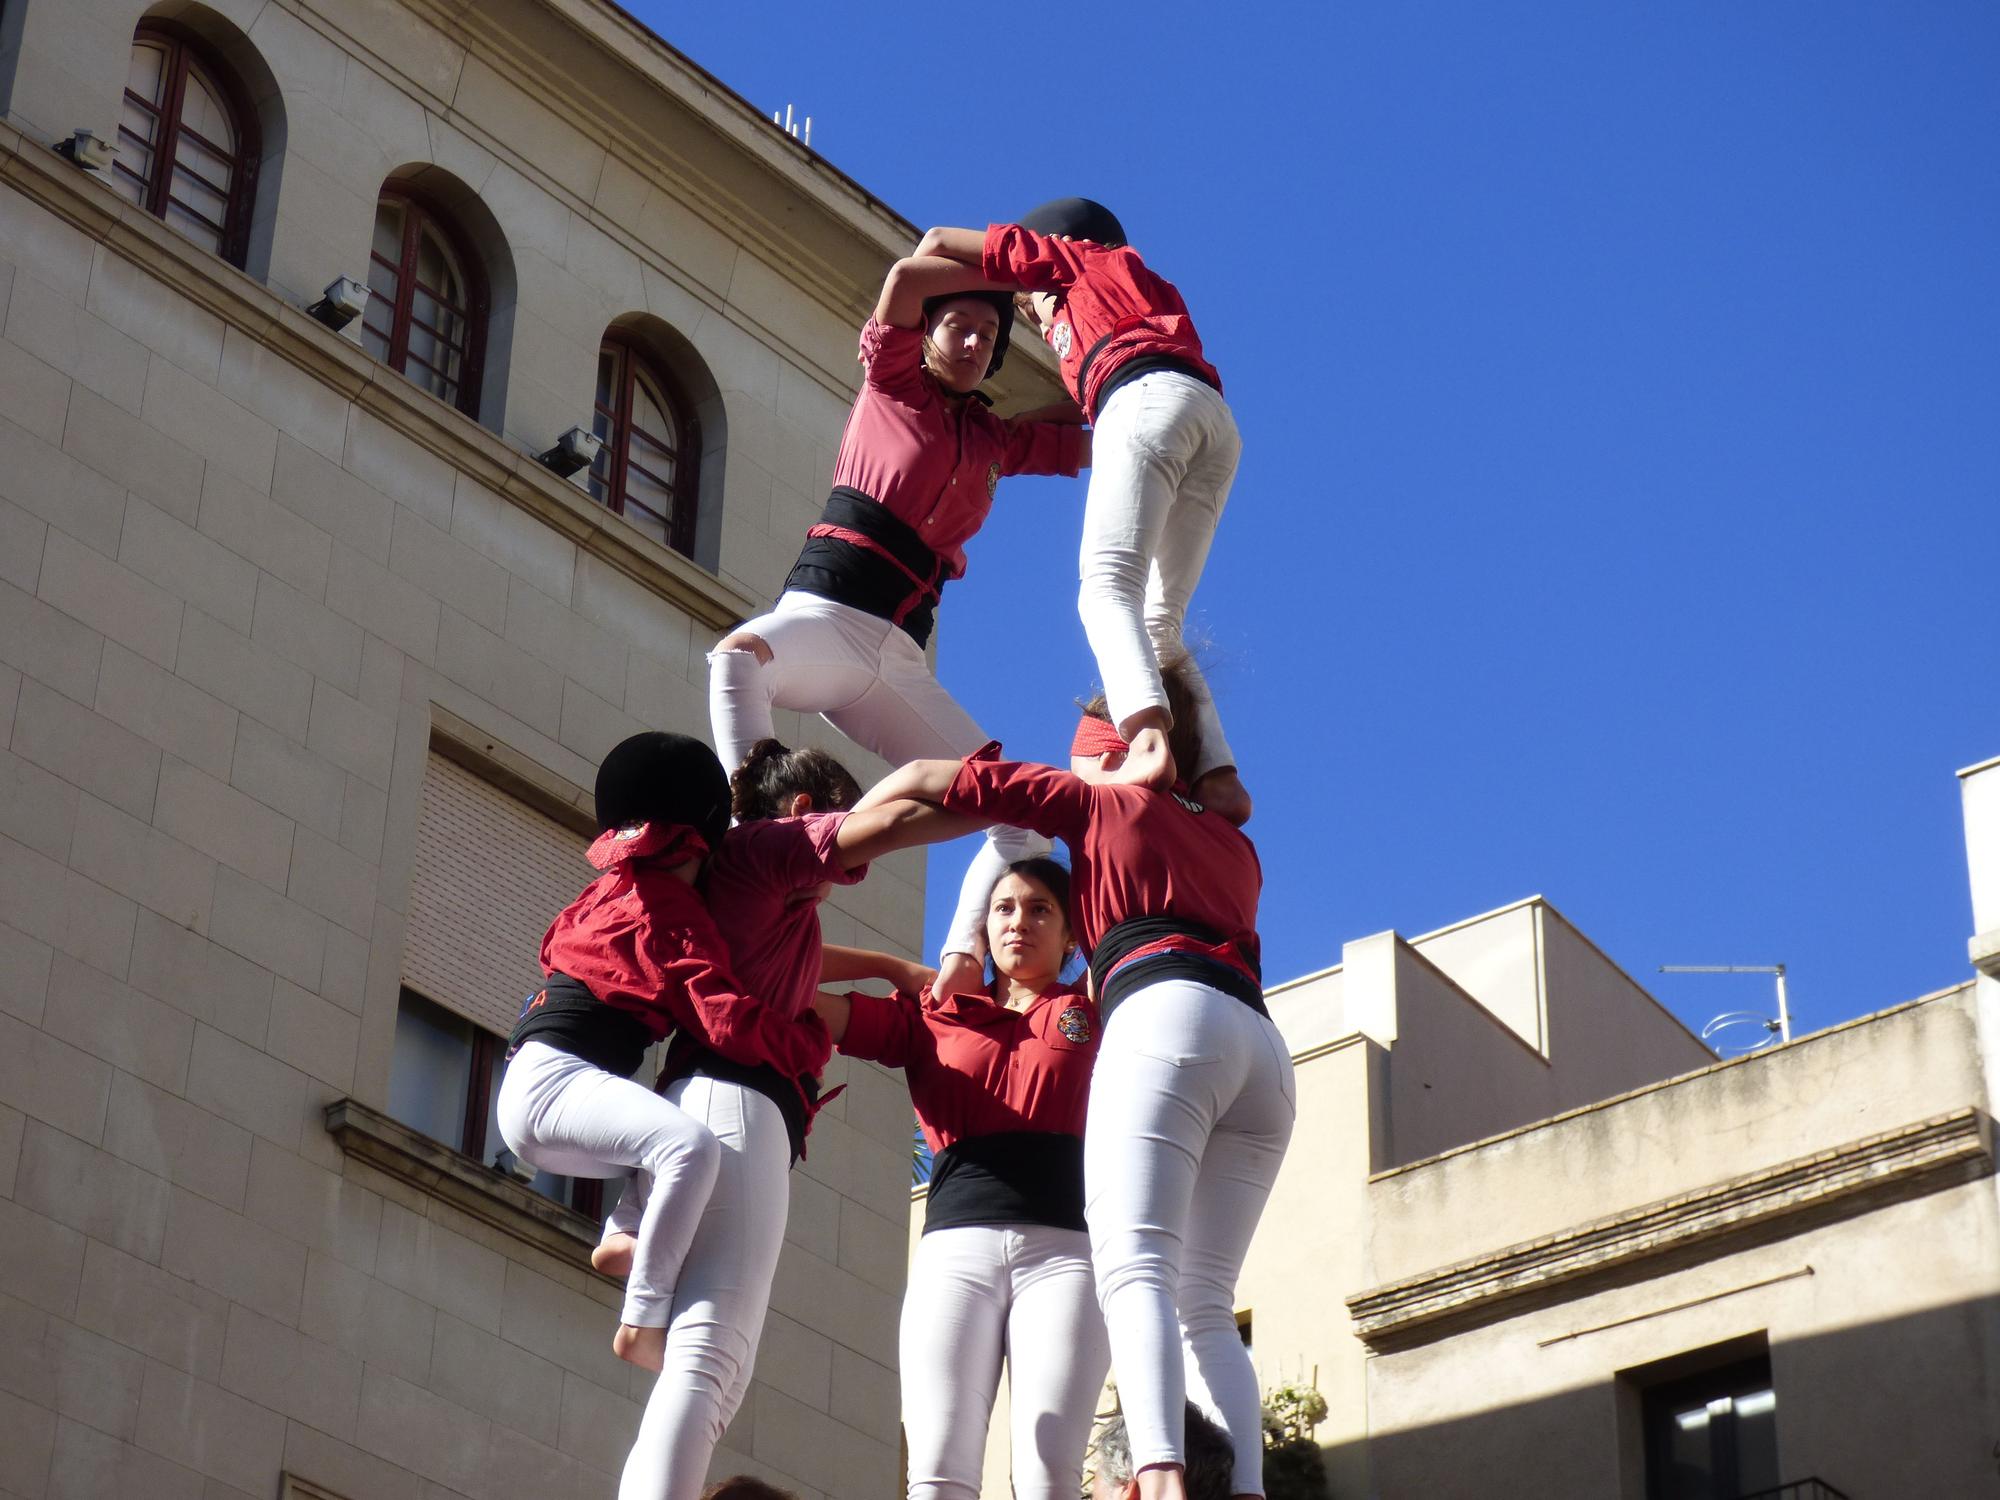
{"x":966,"y":246}
{"x":869,"y":832}
{"x":919,"y":781}
{"x":910,"y":282}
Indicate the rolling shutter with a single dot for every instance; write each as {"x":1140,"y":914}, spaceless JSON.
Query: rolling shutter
{"x":490,"y":875}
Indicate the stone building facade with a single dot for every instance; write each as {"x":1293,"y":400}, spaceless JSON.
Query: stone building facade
{"x":305,"y":667}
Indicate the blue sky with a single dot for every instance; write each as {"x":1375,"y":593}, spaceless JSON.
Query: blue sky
{"x":1620,"y":387}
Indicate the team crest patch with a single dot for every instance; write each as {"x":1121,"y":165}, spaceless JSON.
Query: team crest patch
{"x":1060,"y":339}
{"x":1074,"y":1024}
{"x":992,"y":479}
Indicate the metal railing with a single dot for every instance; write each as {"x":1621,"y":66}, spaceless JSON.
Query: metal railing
{"x":1799,"y":1489}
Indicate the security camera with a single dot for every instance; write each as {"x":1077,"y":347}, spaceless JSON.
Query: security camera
{"x":574,"y":450}
{"x":88,"y":150}
{"x":344,"y":300}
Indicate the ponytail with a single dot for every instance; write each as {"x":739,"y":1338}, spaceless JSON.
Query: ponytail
{"x":772,"y":775}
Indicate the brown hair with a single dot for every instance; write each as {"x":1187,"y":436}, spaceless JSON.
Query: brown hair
{"x":744,"y":1487}
{"x":1184,"y":738}
{"x":771,"y":775}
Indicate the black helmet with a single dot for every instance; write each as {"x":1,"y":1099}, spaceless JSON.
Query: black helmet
{"x":1079,"y":218}
{"x":658,"y":777}
{"x":1001,"y":302}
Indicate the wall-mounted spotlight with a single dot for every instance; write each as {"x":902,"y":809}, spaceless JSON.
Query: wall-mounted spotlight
{"x":344,"y":300}
{"x":575,"y":449}
{"x":88,"y":150}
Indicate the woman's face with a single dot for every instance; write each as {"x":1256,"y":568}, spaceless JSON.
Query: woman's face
{"x":1026,"y":930}
{"x":961,"y":343}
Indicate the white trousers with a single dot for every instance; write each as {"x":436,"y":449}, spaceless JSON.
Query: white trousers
{"x":564,"y":1115}
{"x":980,"y":1294}
{"x":1191,"y":1107}
{"x":1163,"y":453}
{"x":871,"y":682}
{"x":723,"y":1292}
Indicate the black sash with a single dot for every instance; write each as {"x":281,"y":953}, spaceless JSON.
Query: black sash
{"x":1112,"y":982}
{"x":896,"y":577}
{"x":564,"y":1014}
{"x":1014,"y":1177}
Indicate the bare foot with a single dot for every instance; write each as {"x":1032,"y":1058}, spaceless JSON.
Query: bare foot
{"x":1222,"y":791}
{"x":613,"y":1255}
{"x":644,"y":1347}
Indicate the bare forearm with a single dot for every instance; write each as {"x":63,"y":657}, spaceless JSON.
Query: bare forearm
{"x":838,"y":965}
{"x":920,"y":781}
{"x":965,"y":245}
{"x":912,"y":282}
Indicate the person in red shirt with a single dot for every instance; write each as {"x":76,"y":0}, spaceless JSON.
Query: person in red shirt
{"x":915,"y":478}
{"x":1192,"y":1099}
{"x":1000,"y":1081}
{"x":793,"y":840}
{"x":1165,"y":450}
{"x":640,"y":955}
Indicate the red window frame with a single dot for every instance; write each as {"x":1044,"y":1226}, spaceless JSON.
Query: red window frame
{"x":186,"y":53}
{"x":610,"y":475}
{"x":418,"y":215}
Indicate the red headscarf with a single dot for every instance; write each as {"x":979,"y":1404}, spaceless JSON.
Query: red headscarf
{"x":1095,"y":737}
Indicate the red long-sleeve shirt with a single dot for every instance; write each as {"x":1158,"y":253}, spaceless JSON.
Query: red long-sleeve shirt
{"x":977,"y":1068}
{"x":642,"y":940}
{"x":1113,"y":308}
{"x":753,"y":888}
{"x":1134,"y":852}
{"x":932,"y":462}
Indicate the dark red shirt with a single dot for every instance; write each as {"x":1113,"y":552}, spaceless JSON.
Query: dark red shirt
{"x":977,"y":1068}
{"x":932,"y":461}
{"x":1110,"y":303}
{"x":641,"y":939}
{"x":754,"y":888}
{"x":1134,"y":852}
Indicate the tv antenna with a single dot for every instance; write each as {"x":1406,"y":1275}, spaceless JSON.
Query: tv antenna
{"x":791,"y":128}
{"x":1780,"y":1029}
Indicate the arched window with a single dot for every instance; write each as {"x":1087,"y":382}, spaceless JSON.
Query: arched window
{"x":187,"y":142}
{"x":427,"y":319}
{"x":648,"y":470}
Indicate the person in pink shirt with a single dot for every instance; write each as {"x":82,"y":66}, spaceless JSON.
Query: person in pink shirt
{"x":793,"y":840}
{"x":918,"y":466}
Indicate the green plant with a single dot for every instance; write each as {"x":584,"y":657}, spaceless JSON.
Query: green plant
{"x":1293,"y":1469}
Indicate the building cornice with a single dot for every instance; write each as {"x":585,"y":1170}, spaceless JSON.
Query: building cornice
{"x":251,"y":308}
{"x":1894,"y":1162}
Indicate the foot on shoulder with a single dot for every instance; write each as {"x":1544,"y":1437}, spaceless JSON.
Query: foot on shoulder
{"x":1222,"y":791}
{"x":613,"y":1255}
{"x":644,"y":1347}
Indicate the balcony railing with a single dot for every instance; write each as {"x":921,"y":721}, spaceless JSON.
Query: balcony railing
{"x":1799,"y":1489}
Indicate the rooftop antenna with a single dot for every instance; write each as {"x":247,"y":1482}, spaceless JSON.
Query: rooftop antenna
{"x":791,"y":129}
{"x":1781,"y":1028}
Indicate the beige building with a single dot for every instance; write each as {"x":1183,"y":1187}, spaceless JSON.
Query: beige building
{"x":305,"y":667}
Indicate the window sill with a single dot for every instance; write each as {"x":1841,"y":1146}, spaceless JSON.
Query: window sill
{"x":435,"y":1169}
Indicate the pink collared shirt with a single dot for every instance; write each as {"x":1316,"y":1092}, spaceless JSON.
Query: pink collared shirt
{"x":933,"y":462}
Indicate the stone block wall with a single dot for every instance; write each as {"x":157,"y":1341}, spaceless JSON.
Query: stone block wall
{"x":246,"y":575}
